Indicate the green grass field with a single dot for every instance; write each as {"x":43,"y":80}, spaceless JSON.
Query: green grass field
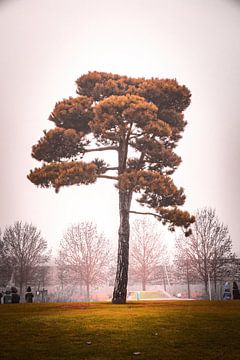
{"x":158,"y":330}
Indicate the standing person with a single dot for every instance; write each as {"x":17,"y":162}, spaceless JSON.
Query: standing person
{"x":227,"y":291}
{"x":29,"y":295}
{"x":7,"y":298}
{"x":236,"y":294}
{"x":1,"y":295}
{"x":15,"y":295}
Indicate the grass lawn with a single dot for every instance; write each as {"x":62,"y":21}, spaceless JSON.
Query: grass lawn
{"x":158,"y":330}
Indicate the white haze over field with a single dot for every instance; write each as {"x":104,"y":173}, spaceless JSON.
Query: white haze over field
{"x":46,"y":45}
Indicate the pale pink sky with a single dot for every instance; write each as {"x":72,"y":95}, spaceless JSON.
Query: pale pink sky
{"x":46,"y":45}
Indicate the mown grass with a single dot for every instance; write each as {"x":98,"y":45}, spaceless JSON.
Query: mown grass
{"x":158,"y":330}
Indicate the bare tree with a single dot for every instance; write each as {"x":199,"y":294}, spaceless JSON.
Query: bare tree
{"x":147,"y":252}
{"x":84,"y":254}
{"x":208,"y":248}
{"x":62,"y":271}
{"x":5,"y":270}
{"x":23,"y":251}
{"x":42,"y":277}
{"x":184,"y":268}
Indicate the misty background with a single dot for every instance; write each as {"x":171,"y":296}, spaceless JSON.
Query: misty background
{"x":46,"y":45}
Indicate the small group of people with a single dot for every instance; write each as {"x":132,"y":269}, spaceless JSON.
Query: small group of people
{"x":11,"y":296}
{"x":228,"y":294}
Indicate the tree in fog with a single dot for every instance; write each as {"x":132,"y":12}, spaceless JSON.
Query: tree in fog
{"x":208,"y":249}
{"x":5,"y":270}
{"x":62,"y":272}
{"x":147,"y":252}
{"x":183,"y":267}
{"x":84,"y":254}
{"x":141,"y":121}
{"x":23,"y":252}
{"x":42,"y":277}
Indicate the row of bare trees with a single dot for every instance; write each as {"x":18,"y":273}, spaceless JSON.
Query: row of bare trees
{"x":85,"y":257}
{"x":206,"y":255}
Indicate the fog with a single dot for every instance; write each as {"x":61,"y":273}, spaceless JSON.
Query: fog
{"x":46,"y":45}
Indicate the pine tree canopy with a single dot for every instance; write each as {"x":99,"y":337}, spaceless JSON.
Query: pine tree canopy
{"x":140,"y":119}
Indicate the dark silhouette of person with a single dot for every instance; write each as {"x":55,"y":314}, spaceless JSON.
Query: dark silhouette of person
{"x":29,"y":295}
{"x":7,"y":298}
{"x":1,"y":295}
{"x":227,"y":291}
{"x":235,"y":291}
{"x":15,"y":295}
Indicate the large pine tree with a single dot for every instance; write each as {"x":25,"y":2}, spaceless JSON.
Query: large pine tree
{"x":118,"y":113}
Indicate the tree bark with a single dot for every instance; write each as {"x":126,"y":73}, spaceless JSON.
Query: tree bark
{"x":215,"y":283}
{"x":121,"y":280}
{"x":21,"y":282}
{"x":144,"y":285}
{"x":164,"y":283}
{"x":88,"y":291}
{"x":206,"y":286}
{"x":188,"y":281}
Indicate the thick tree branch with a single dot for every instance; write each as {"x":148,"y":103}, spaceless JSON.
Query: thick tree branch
{"x":136,"y":136}
{"x":145,"y":213}
{"x":111,"y":168}
{"x":127,"y":141}
{"x":140,"y":161}
{"x":138,"y":167}
{"x":101,"y":149}
{"x":108,"y":177}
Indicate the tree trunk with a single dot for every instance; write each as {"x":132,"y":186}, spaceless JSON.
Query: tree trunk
{"x":21,"y":282}
{"x":88,"y":291}
{"x":188,"y":282}
{"x":215,"y":284}
{"x":206,"y":286}
{"x":121,"y":280}
{"x":143,"y":285}
{"x":164,"y":283}
{"x":20,"y":289}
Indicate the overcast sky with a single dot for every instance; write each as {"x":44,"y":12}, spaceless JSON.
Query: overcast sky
{"x":46,"y":45}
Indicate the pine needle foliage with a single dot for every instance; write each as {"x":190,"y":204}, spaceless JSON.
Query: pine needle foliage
{"x":142,"y":121}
